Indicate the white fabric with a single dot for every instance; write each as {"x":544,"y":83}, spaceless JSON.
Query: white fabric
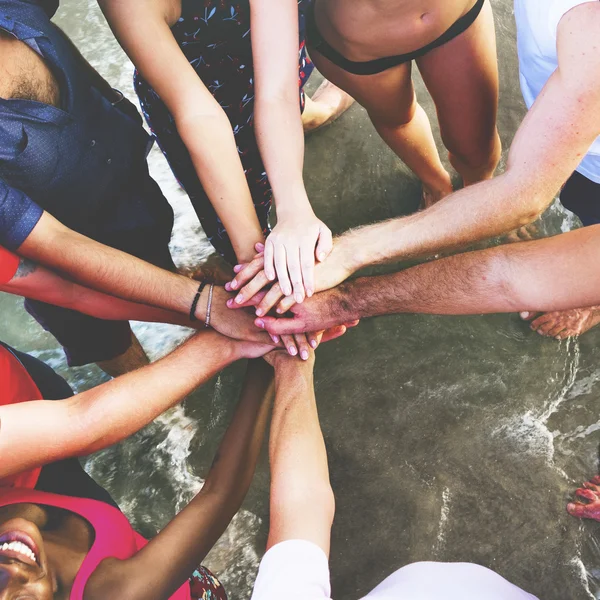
{"x":537,"y":26}
{"x":298,"y":570}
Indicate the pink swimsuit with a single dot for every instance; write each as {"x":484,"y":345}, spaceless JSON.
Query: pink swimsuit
{"x":115,"y":538}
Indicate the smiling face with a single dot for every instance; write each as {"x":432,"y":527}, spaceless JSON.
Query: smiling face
{"x":25,"y":573}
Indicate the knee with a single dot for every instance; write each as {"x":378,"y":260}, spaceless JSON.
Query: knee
{"x":394,"y":118}
{"x":482,"y":154}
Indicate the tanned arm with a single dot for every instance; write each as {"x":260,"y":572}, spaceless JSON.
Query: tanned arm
{"x":120,"y":274}
{"x":42,"y":432}
{"x":188,"y":538}
{"x":516,"y":277}
{"x":302,"y":501}
{"x":38,"y":283}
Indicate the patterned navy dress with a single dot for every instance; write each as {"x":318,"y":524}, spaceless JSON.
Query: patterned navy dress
{"x":215,"y":37}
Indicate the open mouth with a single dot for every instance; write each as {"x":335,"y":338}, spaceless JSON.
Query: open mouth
{"x":19,"y":546}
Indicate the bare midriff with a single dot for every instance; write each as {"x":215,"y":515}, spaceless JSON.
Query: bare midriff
{"x":371,"y":29}
{"x":24,"y":74}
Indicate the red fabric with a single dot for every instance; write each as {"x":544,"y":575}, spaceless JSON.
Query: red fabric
{"x":17,"y":386}
{"x":9,"y":263}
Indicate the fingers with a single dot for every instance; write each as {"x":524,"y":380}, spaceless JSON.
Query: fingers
{"x":295,"y":273}
{"x":285,"y":305}
{"x":325,"y":243}
{"x":245,"y":274}
{"x":303,"y":345}
{"x":290,"y":344}
{"x":281,"y":326}
{"x":314,"y":339}
{"x":270,"y":260}
{"x":281,"y":266}
{"x":334,"y":333}
{"x":270,"y":299}
{"x":249,"y":291}
{"x":307,"y":261}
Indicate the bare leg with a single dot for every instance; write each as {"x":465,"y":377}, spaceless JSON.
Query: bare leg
{"x":325,"y":106}
{"x":133,"y":359}
{"x":390,"y":100}
{"x":462,"y":77}
{"x":565,"y":323}
{"x":590,"y":509}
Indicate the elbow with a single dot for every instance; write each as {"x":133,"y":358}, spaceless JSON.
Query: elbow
{"x":530,"y":199}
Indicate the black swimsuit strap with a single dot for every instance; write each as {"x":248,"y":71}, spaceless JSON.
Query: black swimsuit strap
{"x":372,"y":67}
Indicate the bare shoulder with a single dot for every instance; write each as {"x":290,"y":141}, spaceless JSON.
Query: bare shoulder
{"x":170,"y":10}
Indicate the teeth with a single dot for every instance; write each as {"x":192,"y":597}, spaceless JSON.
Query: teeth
{"x":20,"y":548}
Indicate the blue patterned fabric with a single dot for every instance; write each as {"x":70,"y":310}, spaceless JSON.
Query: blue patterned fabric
{"x":215,"y":36}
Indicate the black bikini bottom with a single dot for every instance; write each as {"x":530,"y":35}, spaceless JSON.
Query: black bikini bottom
{"x":372,"y":67}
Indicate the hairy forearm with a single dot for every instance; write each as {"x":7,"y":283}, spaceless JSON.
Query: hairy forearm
{"x":106,"y":269}
{"x":36,"y":433}
{"x":302,"y":503}
{"x":211,"y":144}
{"x":478,"y":212}
{"x":544,"y":275}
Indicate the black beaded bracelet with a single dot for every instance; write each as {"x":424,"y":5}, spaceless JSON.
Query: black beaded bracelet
{"x":195,"y":302}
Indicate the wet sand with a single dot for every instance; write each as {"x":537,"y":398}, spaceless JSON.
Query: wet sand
{"x":453,"y":439}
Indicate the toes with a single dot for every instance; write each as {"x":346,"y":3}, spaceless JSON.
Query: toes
{"x":583,"y":511}
{"x":586,"y":494}
{"x":556,"y":331}
{"x":591,"y":486}
{"x":596,"y":480}
{"x":528,"y":316}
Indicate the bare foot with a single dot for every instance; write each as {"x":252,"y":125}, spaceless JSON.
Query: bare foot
{"x":565,"y":323}
{"x":590,"y":493}
{"x":325,"y":106}
{"x":431,"y":196}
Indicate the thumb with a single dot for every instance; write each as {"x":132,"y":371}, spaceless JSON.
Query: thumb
{"x":325,"y":244}
{"x":281,"y":326}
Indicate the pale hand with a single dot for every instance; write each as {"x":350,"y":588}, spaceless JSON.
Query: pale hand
{"x":292,"y":249}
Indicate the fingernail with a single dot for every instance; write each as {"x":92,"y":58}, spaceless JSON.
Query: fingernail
{"x":228,"y":287}
{"x":304,"y":355}
{"x":292,"y":351}
{"x":321,"y":256}
{"x":270,"y":276}
{"x":280,"y":311}
{"x":260,"y":323}
{"x":287,"y":291}
{"x":230,"y":303}
{"x":275,"y":339}
{"x":239,"y":299}
{"x":299,"y":298}
{"x":309,"y":293}
{"x":313,"y":343}
{"x":234,"y":284}
{"x":260,"y":312}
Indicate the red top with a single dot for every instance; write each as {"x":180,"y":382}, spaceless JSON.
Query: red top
{"x":115,"y":538}
{"x":17,"y":386}
{"x":9,"y":263}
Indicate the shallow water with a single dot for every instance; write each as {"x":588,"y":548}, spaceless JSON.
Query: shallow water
{"x":455,"y":439}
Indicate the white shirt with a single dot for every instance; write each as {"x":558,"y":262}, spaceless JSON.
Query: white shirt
{"x":298,"y":570}
{"x":537,"y":25}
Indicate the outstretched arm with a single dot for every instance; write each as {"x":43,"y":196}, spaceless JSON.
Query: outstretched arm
{"x":299,"y":237}
{"x":188,"y":538}
{"x":143,"y":30}
{"x":38,"y":283}
{"x":302,"y":501}
{"x":42,"y":432}
{"x":119,"y":274}
{"x":545,"y":275}
{"x":552,"y":140}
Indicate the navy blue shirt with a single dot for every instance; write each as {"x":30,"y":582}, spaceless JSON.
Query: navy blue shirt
{"x":70,"y":160}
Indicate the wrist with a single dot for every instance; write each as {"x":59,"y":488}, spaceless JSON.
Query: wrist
{"x":201,"y":306}
{"x":293,"y":371}
{"x":296,"y":203}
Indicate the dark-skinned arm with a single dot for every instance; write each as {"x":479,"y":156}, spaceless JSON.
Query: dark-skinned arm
{"x":188,"y":538}
{"x":552,"y":274}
